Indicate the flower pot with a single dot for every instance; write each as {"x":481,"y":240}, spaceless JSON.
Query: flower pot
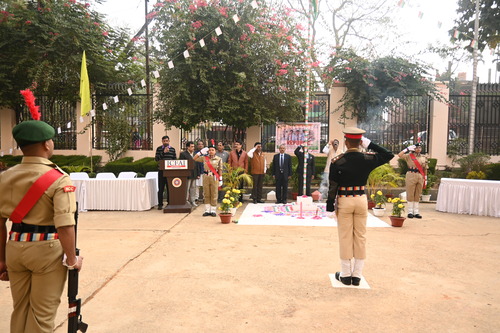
{"x":378,"y":211}
{"x":371,"y":204}
{"x":233,"y":211}
{"x":225,"y":217}
{"x":397,"y":221}
{"x":316,"y":195}
{"x":426,"y":197}
{"x":294,"y":195}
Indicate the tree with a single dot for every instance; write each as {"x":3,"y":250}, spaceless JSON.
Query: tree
{"x":249,"y":75}
{"x":41,"y":45}
{"x":489,"y":23}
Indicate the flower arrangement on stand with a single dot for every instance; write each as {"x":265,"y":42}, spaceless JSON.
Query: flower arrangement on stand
{"x":229,"y":204}
{"x":379,"y":199}
{"x":398,"y":209}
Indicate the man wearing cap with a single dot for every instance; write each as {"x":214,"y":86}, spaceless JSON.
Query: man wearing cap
{"x":212,"y":164}
{"x":42,"y":230}
{"x":415,"y":177}
{"x":348,"y":175}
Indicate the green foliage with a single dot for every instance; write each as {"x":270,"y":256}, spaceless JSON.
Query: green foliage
{"x":432,"y":165}
{"x":473,"y":162}
{"x":75,"y":168}
{"x":476,"y":175}
{"x":11,"y":160}
{"x":231,"y":200}
{"x":397,"y":206}
{"x":232,"y":177}
{"x":489,"y":17}
{"x":383,"y":177}
{"x":378,"y":198}
{"x":142,"y":166}
{"x":42,"y":44}
{"x":376,"y":84}
{"x":244,"y":77}
{"x":492,"y":171}
{"x":431,"y":181}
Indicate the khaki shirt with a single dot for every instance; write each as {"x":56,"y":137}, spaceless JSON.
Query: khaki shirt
{"x":55,"y":207}
{"x":216,"y":162}
{"x":422,"y":159}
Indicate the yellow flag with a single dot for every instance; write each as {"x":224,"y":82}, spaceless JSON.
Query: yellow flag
{"x":86,"y":104}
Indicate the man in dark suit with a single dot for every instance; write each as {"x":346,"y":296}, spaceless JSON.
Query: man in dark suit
{"x":311,"y":170}
{"x":188,"y":154}
{"x":282,"y":171}
{"x":163,"y":152}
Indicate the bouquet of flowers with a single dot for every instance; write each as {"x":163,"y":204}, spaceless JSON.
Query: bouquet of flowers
{"x":397,"y":206}
{"x":379,"y":198}
{"x":230,"y":201}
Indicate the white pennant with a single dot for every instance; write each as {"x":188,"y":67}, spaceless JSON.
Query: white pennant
{"x":115,"y":99}
{"x":68,"y":125}
{"x":236,"y":18}
{"x":10,"y":151}
{"x":202,"y":43}
{"x":59,"y":130}
{"x":104,"y":106}
{"x":218,"y":31}
{"x":81,"y":119}
{"x":156,"y":74}
{"x":170,"y":64}
{"x":92,"y":113}
{"x":129,"y":91}
{"x":186,"y":54}
{"x":143,"y":83}
{"x":254,"y":4}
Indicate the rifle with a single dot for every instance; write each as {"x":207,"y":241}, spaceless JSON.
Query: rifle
{"x":75,"y":322}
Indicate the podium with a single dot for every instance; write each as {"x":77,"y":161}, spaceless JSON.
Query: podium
{"x":177,"y":172}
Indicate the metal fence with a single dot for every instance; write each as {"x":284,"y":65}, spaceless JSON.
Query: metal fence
{"x":133,"y":109}
{"x":319,"y":113}
{"x":403,"y":124}
{"x":487,"y":123}
{"x":208,"y":131}
{"x":60,"y":115}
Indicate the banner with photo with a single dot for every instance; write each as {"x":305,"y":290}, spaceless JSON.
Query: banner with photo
{"x":293,"y":135}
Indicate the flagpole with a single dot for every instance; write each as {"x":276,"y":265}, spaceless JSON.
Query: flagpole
{"x":308,"y":96}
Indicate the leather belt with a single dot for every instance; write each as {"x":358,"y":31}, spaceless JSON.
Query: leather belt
{"x":30,"y":228}
{"x":413,"y":170}
{"x":351,"y":193}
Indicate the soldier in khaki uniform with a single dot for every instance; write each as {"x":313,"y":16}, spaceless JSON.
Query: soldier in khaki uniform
{"x":32,"y":258}
{"x":348,"y":175}
{"x":415,"y":177}
{"x":212,"y":166}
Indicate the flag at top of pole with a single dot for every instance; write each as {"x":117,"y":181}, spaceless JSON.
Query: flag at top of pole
{"x":315,"y":8}
{"x":86,"y":104}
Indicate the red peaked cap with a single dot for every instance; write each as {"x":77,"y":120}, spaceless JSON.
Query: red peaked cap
{"x":353,"y":133}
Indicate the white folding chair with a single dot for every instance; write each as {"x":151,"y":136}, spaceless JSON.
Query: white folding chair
{"x":153,"y":175}
{"x":127,"y":175}
{"x":105,"y":175}
{"x":78,"y":175}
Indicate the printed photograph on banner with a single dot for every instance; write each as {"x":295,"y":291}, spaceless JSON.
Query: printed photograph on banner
{"x":293,"y":135}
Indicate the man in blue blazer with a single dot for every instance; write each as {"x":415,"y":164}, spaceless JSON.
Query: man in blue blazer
{"x":282,"y":171}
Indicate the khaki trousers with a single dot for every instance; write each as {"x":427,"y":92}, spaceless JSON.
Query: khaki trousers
{"x":210,"y":186}
{"x":414,"y":184}
{"x":37,"y":279}
{"x":352,"y":214}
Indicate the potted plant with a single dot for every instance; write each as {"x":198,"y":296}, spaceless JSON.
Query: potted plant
{"x":229,"y":204}
{"x":233,"y":177}
{"x":382,"y":177}
{"x":431,"y":181}
{"x":397,"y":210}
{"x":379,"y":199}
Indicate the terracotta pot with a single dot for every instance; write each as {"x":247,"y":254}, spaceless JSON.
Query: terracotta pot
{"x":225,"y":217}
{"x":397,"y":221}
{"x":378,"y":211}
{"x":294,"y":195}
{"x":316,"y":195}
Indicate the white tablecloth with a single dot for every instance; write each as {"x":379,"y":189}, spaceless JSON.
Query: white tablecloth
{"x":116,"y":194}
{"x":469,"y":196}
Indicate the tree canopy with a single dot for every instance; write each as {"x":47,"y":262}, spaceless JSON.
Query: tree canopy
{"x":489,"y":22}
{"x":41,"y":45}
{"x":252,"y":73}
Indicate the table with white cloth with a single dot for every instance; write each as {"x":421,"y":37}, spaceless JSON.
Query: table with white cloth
{"x":116,"y":194}
{"x":469,"y":196}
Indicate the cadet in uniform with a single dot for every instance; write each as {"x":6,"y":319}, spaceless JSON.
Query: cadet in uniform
{"x":32,"y":257}
{"x":212,"y":164}
{"x":415,"y":176}
{"x":348,"y":175}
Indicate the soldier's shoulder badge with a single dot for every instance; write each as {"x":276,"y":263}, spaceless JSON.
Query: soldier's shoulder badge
{"x":69,"y":188}
{"x":336,"y":158}
{"x":369,"y":155}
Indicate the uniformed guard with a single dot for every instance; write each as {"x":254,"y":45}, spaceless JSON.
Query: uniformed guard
{"x":348,"y":175}
{"x":415,"y":177}
{"x":212,"y":164}
{"x":39,"y":199}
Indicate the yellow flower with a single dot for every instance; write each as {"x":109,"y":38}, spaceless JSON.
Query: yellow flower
{"x":232,"y":199}
{"x":372,"y":196}
{"x":220,"y":208}
{"x":227,"y":192}
{"x":403,"y":200}
{"x":240,"y":204}
{"x":395,"y":200}
{"x":401,"y":206}
{"x":389,"y":200}
{"x":236,"y":191}
{"x":226,"y":201}
{"x":226,"y":196}
{"x":379,"y":192}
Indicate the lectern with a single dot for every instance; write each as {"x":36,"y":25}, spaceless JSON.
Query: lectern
{"x":177,"y":172}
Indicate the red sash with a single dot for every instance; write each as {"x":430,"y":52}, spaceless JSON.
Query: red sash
{"x":212,"y":169}
{"x":34,"y":193}
{"x":419,"y":167}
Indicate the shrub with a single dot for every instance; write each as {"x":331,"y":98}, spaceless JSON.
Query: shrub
{"x":473,"y":162}
{"x":492,"y":171}
{"x":476,"y":175}
{"x":432,"y":165}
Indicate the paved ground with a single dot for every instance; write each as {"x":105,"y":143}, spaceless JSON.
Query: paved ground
{"x":155,"y":272}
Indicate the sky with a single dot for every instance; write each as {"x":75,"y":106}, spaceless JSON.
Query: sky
{"x":418,"y":31}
